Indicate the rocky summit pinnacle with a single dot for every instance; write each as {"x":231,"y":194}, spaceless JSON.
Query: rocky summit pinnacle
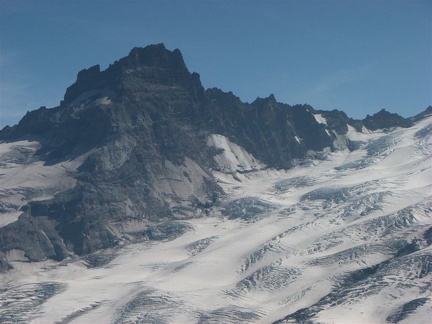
{"x":133,"y":149}
{"x":153,"y":64}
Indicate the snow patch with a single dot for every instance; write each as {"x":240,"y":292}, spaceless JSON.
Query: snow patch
{"x":24,"y":178}
{"x":16,"y":255}
{"x":233,"y":158}
{"x":7,"y":218}
{"x":320,"y":119}
{"x":103,"y":101}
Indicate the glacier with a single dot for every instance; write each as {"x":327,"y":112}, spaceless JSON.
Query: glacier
{"x":342,"y":238}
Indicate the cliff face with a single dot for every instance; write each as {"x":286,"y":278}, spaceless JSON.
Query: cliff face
{"x":133,"y":142}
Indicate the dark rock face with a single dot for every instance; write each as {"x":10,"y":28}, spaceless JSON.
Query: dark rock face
{"x":35,"y":236}
{"x":339,"y":121}
{"x":152,"y":64}
{"x":142,"y":126}
{"x":384,"y":119}
{"x":266,"y":128}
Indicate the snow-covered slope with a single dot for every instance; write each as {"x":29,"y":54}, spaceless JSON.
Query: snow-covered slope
{"x":233,"y":158}
{"x":25,"y":178}
{"x":339,"y":240}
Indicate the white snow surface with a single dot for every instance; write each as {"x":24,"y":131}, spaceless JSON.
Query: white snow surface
{"x":320,"y":119}
{"x":299,"y":234}
{"x":24,"y":178}
{"x":233,"y":157}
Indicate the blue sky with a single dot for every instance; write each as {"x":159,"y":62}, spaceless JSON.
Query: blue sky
{"x":356,"y":56}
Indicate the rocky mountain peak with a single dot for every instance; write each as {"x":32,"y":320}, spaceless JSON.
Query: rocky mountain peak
{"x":270,"y":100}
{"x":153,"y":64}
{"x":156,"y":56}
{"x":139,"y":153}
{"x":384,"y":119}
{"x":143,"y":139}
{"x":86,"y":80}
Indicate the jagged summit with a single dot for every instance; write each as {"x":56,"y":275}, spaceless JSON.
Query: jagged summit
{"x":152,"y":64}
{"x":156,"y":56}
{"x":384,"y":119}
{"x":271,"y":99}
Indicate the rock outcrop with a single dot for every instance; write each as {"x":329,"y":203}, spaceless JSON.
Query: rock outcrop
{"x":384,"y":119}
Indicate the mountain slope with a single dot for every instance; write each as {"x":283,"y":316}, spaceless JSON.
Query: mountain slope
{"x":144,"y":197}
{"x":340,"y":239}
{"x":129,"y":147}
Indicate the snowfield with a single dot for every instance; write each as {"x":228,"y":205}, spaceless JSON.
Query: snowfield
{"x":344,"y":239}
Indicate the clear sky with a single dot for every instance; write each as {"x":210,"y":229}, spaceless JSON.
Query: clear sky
{"x":356,"y":56}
